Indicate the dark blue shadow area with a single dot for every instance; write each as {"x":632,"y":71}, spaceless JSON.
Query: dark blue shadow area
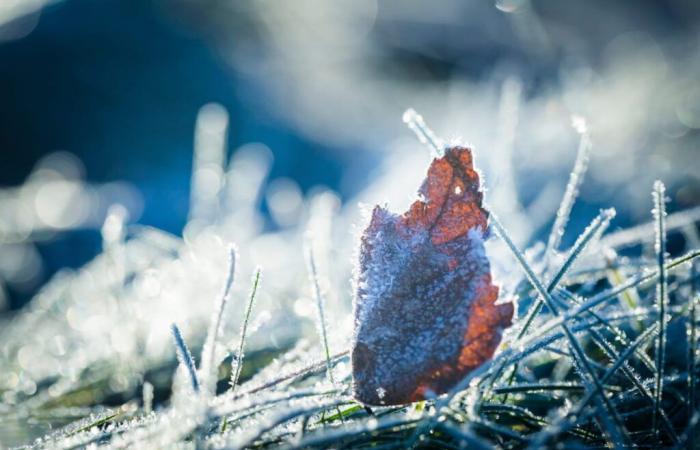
{"x":117,"y":84}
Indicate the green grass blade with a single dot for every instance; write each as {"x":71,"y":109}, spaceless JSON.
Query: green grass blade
{"x":313,"y":274}
{"x":238,"y":358}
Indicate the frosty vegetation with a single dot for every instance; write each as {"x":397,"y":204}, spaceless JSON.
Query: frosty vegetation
{"x":99,"y":358}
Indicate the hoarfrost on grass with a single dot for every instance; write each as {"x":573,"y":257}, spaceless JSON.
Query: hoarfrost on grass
{"x":59,"y":367}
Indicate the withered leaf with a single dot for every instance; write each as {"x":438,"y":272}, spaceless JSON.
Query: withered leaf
{"x":425,"y":312}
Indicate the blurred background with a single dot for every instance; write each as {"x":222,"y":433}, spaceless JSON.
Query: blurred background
{"x":100,"y":102}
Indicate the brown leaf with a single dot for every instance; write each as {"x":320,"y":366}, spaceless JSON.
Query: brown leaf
{"x":425,"y":313}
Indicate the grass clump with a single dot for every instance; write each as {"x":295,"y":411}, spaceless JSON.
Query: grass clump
{"x":581,"y":367}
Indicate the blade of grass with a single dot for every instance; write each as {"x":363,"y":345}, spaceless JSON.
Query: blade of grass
{"x":570,"y":194}
{"x":520,"y":412}
{"x":464,"y":434}
{"x":312,"y":369}
{"x":185,"y":357}
{"x":535,"y":387}
{"x":99,"y":422}
{"x":330,"y":438}
{"x":659,"y":195}
{"x":313,"y":274}
{"x":528,"y":418}
{"x":629,"y":298}
{"x":497,"y":429}
{"x":210,"y":367}
{"x":344,"y":413}
{"x":642,"y":233}
{"x":236,"y":371}
{"x":274,"y":421}
{"x":241,"y":411}
{"x":311,"y":262}
{"x":239,"y":356}
{"x":480,"y":422}
{"x":692,"y":349}
{"x":425,"y":135}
